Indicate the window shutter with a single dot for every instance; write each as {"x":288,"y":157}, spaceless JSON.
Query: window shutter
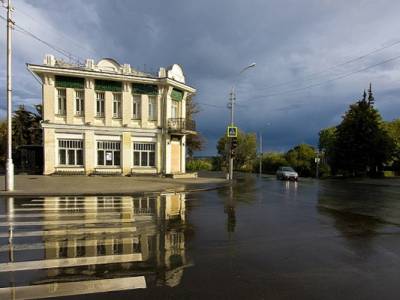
{"x":177,"y":95}
{"x":70,"y":82}
{"x":108,"y":85}
{"x":140,"y":88}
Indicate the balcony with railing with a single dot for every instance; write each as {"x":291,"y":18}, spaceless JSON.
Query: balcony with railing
{"x":181,"y":126}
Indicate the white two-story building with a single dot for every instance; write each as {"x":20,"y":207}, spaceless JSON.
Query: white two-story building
{"x":107,"y":118}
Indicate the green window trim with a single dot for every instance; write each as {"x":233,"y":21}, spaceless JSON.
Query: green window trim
{"x":107,"y":85}
{"x":141,"y":88}
{"x":69,"y":82}
{"x":176,"y":95}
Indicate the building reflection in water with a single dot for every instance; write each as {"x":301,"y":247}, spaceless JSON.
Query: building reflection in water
{"x":102,"y":238}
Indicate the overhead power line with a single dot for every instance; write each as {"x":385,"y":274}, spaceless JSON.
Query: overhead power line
{"x":350,"y":61}
{"x":330,"y":80}
{"x":216,"y":106}
{"x":46,"y":27}
{"x":63,"y":52}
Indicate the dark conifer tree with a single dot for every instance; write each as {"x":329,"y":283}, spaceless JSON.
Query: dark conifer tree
{"x":371,"y":99}
{"x":362,"y":143}
{"x":26,"y":127}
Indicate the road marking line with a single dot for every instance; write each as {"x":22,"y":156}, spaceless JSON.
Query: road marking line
{"x":77,"y":243}
{"x":67,"y":222}
{"x":68,"y":262}
{"x":68,"y":232}
{"x":27,"y":215}
{"x":94,"y":204}
{"x":72,"y":208}
{"x":62,"y":201}
{"x":59,"y":289}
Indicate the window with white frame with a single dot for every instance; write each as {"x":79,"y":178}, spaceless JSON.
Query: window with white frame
{"x":152,"y":108}
{"x":100,"y":104}
{"x":61,"y":101}
{"x":79,"y":102}
{"x":136,"y":106}
{"x":144,"y":154}
{"x":174,"y":109}
{"x":117,"y":105}
{"x":70,"y":152}
{"x":108,"y":153}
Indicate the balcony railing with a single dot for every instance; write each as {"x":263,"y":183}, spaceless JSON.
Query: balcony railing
{"x":181,"y":125}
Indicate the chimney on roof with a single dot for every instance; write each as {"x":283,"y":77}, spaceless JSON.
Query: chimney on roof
{"x":49,"y":60}
{"x":126,"y":68}
{"x":162,"y":73}
{"x":89,"y":64}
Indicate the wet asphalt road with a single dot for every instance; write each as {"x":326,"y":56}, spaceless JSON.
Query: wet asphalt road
{"x":260,"y":239}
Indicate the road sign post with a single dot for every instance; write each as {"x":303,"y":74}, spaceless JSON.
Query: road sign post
{"x":317,"y":161}
{"x":231,"y":133}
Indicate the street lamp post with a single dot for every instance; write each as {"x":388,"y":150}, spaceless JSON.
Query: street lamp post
{"x":9,"y":163}
{"x":232,"y":99}
{"x":261,"y":154}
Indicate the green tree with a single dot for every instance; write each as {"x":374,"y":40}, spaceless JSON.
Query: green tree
{"x":21,"y":124}
{"x":3,"y":142}
{"x":271,"y":161}
{"x":26,"y":127}
{"x":26,"y":130}
{"x":301,"y":157}
{"x":194,"y":142}
{"x":36,"y":129}
{"x":393,"y":129}
{"x":327,"y":141}
{"x":362,"y":145}
{"x":246,"y":151}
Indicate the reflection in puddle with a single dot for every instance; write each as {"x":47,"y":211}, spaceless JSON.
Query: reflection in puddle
{"x":291,"y":185}
{"x":81,"y":245}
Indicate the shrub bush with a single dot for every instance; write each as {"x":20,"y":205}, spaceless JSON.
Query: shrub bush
{"x":199,"y":165}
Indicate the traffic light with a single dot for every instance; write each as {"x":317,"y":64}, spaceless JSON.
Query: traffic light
{"x":234,"y":144}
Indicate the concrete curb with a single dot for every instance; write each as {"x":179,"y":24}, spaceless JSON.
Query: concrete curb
{"x":108,"y":193}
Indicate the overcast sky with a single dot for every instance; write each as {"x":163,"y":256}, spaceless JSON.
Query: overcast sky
{"x":314,"y":57}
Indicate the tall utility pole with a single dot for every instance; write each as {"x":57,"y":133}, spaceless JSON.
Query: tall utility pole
{"x":9,"y":163}
{"x":261,"y":154}
{"x":232,"y":99}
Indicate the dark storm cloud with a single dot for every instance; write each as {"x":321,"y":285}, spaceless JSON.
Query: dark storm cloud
{"x":214,"y":40}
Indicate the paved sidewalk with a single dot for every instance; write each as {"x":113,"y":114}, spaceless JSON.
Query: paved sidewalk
{"x":38,"y":185}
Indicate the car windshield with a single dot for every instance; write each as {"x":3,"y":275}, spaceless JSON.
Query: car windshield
{"x":288,"y":169}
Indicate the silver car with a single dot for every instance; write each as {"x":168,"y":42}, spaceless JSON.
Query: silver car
{"x":286,"y":173}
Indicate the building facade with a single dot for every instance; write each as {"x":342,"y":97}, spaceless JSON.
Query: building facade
{"x":107,"y":118}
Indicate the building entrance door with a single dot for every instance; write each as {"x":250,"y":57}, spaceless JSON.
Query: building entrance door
{"x":175,"y":156}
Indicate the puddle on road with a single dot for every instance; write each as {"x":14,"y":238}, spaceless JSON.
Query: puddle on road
{"x":65,"y":246}
{"x":248,"y":241}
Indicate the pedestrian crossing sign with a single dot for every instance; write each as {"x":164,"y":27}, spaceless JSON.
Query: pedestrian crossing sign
{"x":232,"y":131}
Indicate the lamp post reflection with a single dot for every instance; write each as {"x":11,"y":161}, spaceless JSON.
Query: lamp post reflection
{"x":230,"y":212}
{"x":10,"y":217}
